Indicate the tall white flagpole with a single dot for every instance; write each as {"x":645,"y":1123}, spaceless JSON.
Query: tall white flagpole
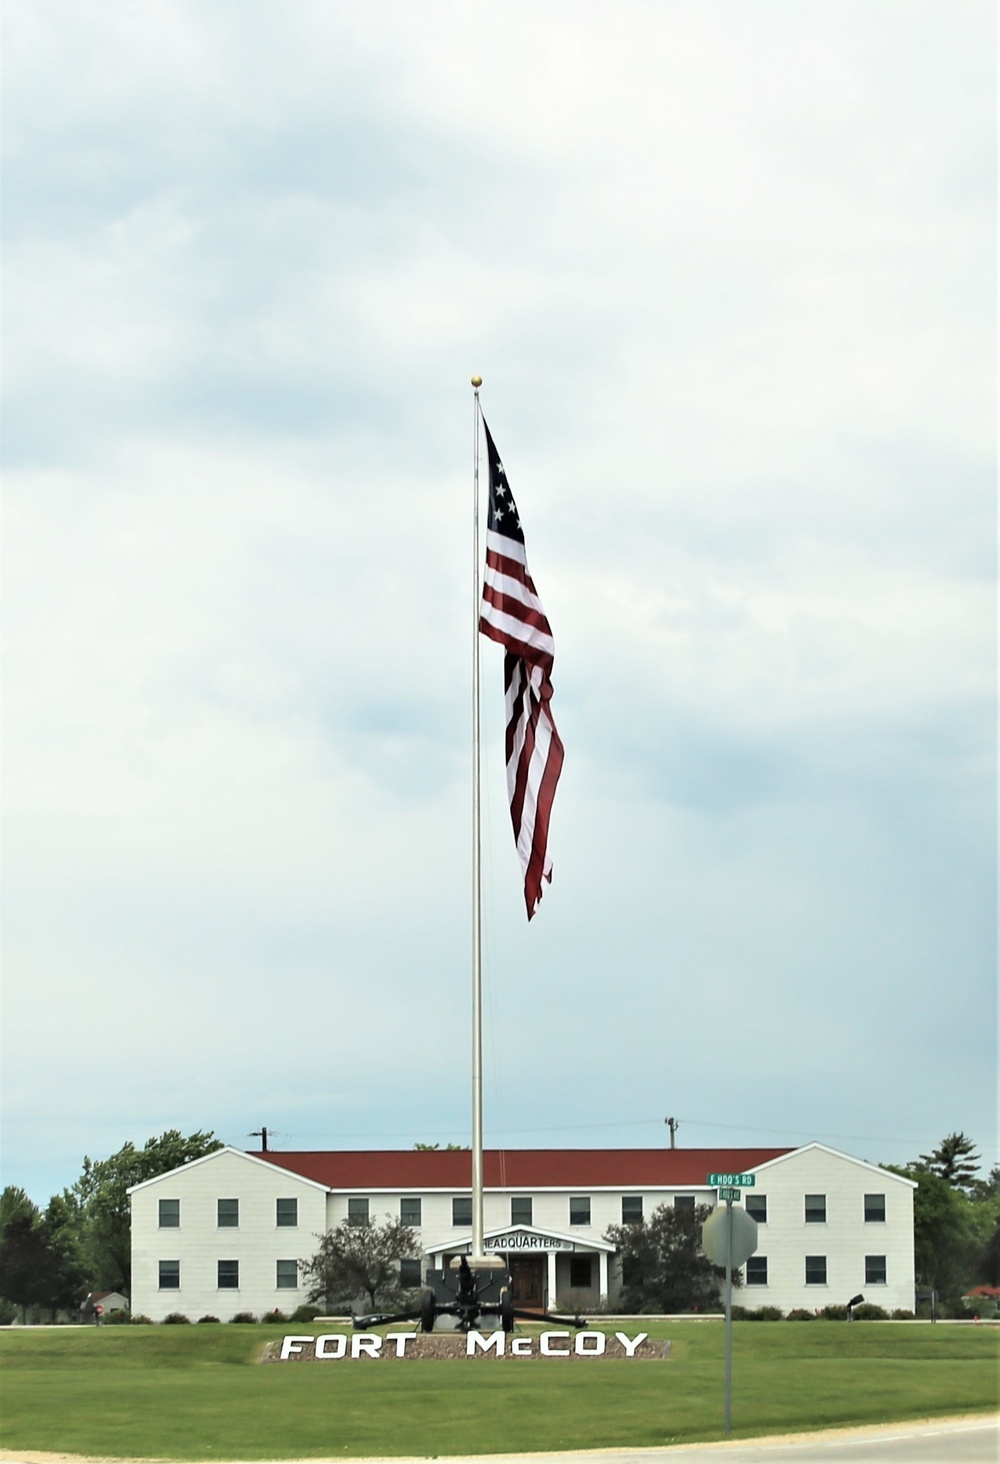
{"x":477,"y":960}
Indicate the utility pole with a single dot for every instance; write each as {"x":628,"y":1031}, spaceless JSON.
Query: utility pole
{"x":674,"y":1126}
{"x":261,"y":1134}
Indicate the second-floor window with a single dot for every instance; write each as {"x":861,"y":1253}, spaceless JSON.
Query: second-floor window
{"x":409,"y":1211}
{"x":579,"y":1210}
{"x":227,"y":1214}
{"x":815,"y":1209}
{"x":520,"y":1210}
{"x":286,"y":1212}
{"x":631,"y":1209}
{"x":461,"y":1210}
{"x":358,"y":1210}
{"x":875,"y":1209}
{"x":169,"y":1214}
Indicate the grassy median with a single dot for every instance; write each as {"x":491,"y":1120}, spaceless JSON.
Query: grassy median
{"x":198,"y":1392}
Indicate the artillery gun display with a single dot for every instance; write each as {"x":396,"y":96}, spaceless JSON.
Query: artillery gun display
{"x":473,"y":1294}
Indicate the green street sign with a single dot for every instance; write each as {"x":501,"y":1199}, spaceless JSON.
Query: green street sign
{"x":745,"y":1181}
{"x":725,"y":1193}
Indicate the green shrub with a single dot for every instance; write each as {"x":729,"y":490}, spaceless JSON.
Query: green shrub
{"x":243,"y":1317}
{"x":769,"y":1314}
{"x":834,"y":1313}
{"x":176,"y":1318}
{"x":799,"y":1314}
{"x":140,"y":1321}
{"x":867,"y":1311}
{"x":902,"y":1315}
{"x":305,"y":1313}
{"x":207,"y":1319}
{"x":275,"y":1316}
{"x":119,"y":1318}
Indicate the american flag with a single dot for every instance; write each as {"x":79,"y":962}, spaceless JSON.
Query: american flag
{"x":512,"y":614}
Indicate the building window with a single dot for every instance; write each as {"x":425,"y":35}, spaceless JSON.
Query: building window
{"x":815,"y":1209}
{"x":409,"y":1274}
{"x":815,"y":1270}
{"x":756,"y":1207}
{"x":286,"y":1212}
{"x":286,"y":1275}
{"x":581,"y":1273}
{"x":520,"y":1210}
{"x":874,"y":1270}
{"x":229,"y":1275}
{"x":358,"y":1210}
{"x":461,"y":1210}
{"x":875,"y":1209}
{"x":170,"y":1214}
{"x":227,"y":1214}
{"x":757,"y":1271}
{"x":170,"y":1275}
{"x":579,"y":1210}
{"x":409,"y":1211}
{"x":684,"y":1202}
{"x":631,"y":1209}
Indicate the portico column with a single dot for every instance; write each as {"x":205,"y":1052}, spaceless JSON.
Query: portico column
{"x":550,"y":1257}
{"x":602,"y":1271}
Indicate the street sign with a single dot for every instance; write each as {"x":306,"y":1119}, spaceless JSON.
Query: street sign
{"x":729,"y":1194}
{"x":714,"y":1238}
{"x":745,"y":1181}
{"x":729,"y":1237}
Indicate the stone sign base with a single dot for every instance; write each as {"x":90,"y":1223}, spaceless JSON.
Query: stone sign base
{"x":448,"y":1346}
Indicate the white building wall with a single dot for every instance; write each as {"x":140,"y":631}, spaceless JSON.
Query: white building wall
{"x":844,"y":1238}
{"x":198,"y":1243}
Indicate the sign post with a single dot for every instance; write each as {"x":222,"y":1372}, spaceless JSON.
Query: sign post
{"x":729,"y":1238}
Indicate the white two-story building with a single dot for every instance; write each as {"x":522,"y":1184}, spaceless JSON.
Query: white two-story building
{"x":227,"y":1233}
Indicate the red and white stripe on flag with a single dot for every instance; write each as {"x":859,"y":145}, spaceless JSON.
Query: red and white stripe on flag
{"x":512,"y":614}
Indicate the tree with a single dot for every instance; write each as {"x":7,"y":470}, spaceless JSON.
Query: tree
{"x":360,"y":1259}
{"x":946,"y":1239}
{"x":101,"y":1195}
{"x":66,"y":1277}
{"x":14,"y":1204}
{"x":955,"y":1160}
{"x":663,"y":1264}
{"x":27,"y":1264}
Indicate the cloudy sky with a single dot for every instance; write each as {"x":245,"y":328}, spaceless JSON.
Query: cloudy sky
{"x":727,"y":272}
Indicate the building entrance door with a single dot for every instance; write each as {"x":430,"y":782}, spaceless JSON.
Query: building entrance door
{"x":527,"y":1281}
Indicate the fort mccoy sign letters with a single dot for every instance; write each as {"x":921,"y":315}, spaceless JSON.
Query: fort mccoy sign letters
{"x":427,"y":1346}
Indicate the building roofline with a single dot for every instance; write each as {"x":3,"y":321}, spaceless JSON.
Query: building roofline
{"x":226,"y":1149}
{"x":837,"y":1154}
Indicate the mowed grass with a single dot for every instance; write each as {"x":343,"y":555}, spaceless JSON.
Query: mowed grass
{"x":198,"y":1392}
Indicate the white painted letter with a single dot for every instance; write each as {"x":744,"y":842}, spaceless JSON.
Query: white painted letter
{"x":339,"y":1344}
{"x":370,"y":1343}
{"x":400,"y":1339}
{"x":548,"y":1350}
{"x":521,"y":1347}
{"x":631,"y":1344}
{"x":582,"y":1338}
{"x":290,"y":1345}
{"x":475,"y":1341}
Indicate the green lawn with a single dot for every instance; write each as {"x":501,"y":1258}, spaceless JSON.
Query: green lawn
{"x":197,"y":1393}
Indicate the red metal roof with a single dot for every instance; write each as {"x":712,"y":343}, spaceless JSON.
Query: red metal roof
{"x":451,"y":1169}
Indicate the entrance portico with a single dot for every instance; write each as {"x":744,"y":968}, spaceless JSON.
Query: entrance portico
{"x":541,"y":1263}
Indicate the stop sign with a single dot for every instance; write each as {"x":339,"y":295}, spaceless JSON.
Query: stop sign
{"x":714,"y":1240}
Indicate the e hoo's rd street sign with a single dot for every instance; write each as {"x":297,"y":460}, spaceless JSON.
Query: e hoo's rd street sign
{"x":732,"y":1181}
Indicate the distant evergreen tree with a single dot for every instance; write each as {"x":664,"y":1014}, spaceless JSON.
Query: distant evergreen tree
{"x":955,"y":1160}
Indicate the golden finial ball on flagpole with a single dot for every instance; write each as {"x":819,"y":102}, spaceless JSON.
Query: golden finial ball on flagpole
{"x":477,"y":382}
